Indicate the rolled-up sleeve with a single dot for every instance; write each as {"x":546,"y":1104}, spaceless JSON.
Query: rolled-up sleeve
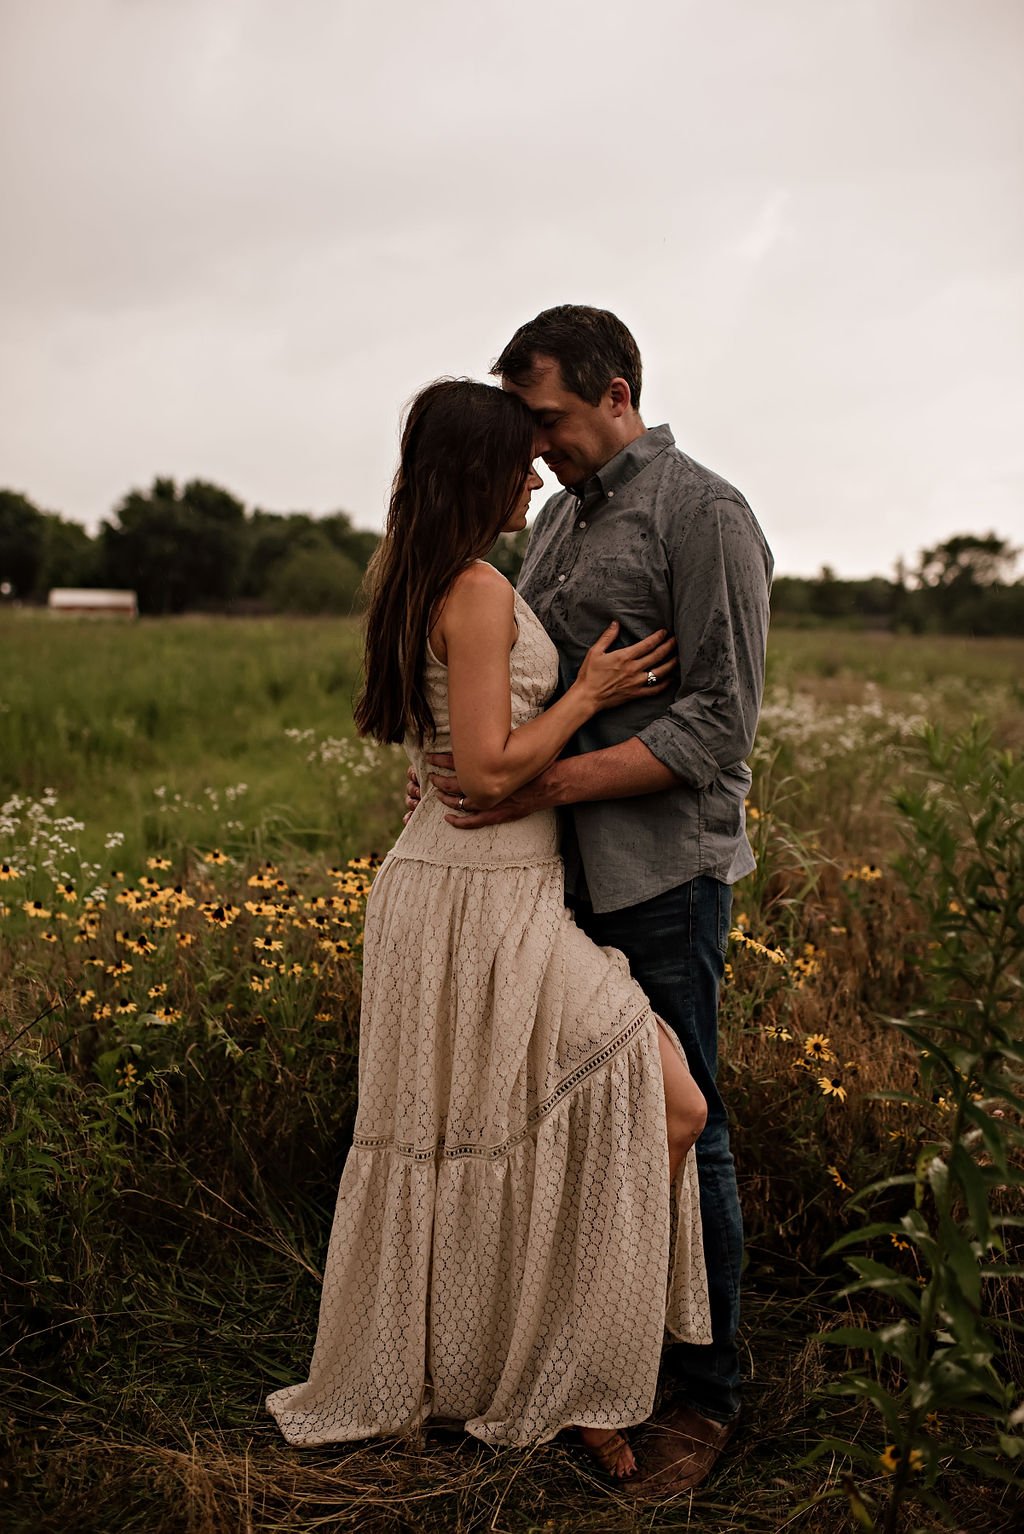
{"x":721,"y":575}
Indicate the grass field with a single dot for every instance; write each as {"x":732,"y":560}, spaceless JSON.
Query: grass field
{"x":180,"y":1026}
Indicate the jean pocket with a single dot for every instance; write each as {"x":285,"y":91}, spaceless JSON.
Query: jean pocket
{"x":724,"y":896}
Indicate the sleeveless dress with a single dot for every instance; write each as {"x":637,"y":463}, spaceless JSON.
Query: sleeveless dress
{"x":507,"y":1251}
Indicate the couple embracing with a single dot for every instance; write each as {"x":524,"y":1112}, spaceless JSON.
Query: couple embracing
{"x":540,"y":1191}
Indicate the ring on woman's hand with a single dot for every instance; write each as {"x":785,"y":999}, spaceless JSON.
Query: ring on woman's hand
{"x":462,"y":801}
{"x":652,"y":680}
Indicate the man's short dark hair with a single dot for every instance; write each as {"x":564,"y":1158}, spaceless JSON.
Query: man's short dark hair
{"x":591,"y":346}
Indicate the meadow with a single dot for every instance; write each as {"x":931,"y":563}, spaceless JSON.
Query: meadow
{"x":188,"y":830}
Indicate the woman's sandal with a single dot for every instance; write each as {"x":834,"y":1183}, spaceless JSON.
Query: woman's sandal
{"x":606,"y":1454}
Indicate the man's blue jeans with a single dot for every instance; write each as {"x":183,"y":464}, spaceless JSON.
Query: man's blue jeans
{"x":676,"y":947}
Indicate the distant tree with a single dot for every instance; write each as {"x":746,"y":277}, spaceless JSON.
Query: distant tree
{"x":964,"y":586}
{"x":315,"y":577}
{"x":70,"y":556}
{"x":22,"y":541}
{"x":176,"y":550}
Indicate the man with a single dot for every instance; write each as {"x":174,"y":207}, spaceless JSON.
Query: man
{"x":655,"y":836}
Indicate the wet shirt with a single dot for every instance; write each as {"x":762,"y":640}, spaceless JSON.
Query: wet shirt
{"x":657,"y":541}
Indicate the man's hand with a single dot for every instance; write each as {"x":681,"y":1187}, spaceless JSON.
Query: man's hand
{"x":525,"y":801}
{"x":413,"y":794}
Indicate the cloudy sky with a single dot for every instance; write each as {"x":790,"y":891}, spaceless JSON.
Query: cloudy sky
{"x":238,"y":234}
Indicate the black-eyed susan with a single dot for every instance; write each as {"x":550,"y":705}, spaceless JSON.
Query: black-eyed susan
{"x":832,"y":1086}
{"x":125,"y":1006}
{"x":817,"y":1046}
{"x":122,"y":967}
{"x":899,"y":1243}
{"x":85,"y":997}
{"x":141,"y":945}
{"x":128,"y":1075}
{"x":891,"y":1457}
{"x":102,"y":1012}
{"x":185,"y":939}
{"x":67,"y":892}
{"x":259,"y":983}
{"x":838,"y":1179}
{"x":117,"y":874}
{"x":49,"y":937}
{"x":157,"y":990}
{"x":216,"y":857}
{"x":36,"y":909}
{"x":220,"y":915}
{"x":8,"y":871}
{"x":163,"y":922}
{"x":323,"y":1017}
{"x":267,"y":944}
{"x":776,"y":1031}
{"x":160,"y":864}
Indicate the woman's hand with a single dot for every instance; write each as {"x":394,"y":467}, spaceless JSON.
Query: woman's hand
{"x":608,"y":677}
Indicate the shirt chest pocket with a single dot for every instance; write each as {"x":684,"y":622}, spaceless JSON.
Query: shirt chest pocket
{"x":616,"y":585}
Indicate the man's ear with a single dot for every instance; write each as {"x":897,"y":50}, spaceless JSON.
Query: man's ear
{"x":619,"y":396}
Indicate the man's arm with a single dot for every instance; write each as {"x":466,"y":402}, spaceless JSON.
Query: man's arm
{"x":721,"y":576}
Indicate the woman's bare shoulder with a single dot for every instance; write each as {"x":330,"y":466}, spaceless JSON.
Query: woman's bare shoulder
{"x":481,"y":581}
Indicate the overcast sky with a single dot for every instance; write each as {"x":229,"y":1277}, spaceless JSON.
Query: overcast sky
{"x":240,"y":233}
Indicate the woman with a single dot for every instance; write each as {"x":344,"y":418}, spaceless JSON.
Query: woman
{"x":517,"y":1222}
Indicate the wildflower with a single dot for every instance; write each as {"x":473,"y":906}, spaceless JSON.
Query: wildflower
{"x":295,"y":971}
{"x":84,"y":997}
{"x":838,"y":931}
{"x":220,"y":915}
{"x":832,"y":1086}
{"x":128,"y":1075}
{"x":866,"y":873}
{"x":899,"y":1243}
{"x":102,"y":1012}
{"x":956,"y":908}
{"x":818,"y":1047}
{"x":837,"y":1178}
{"x":7,"y":871}
{"x":776,"y":1031}
{"x":163,"y":922}
{"x":49,"y":937}
{"x":37,"y":909}
{"x":121,"y":968}
{"x":152,"y":886}
{"x":322,"y":1017}
{"x":337,"y":947}
{"x":117,"y":873}
{"x":167,"y":1015}
{"x":267,"y":944}
{"x":727,"y":973}
{"x":125,"y":1007}
{"x":132,"y":899}
{"x":892,"y":1456}
{"x":185,"y":939}
{"x":140,"y":945}
{"x":67,"y":892}
{"x":94,"y":961}
{"x":752,"y":812}
{"x":162,"y":864}
{"x":157,"y":990}
{"x":216,"y":857}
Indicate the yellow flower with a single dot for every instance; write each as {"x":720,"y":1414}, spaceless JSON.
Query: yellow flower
{"x":7,"y":871}
{"x":67,"y":892}
{"x":220,"y":915}
{"x":157,"y":990}
{"x":185,"y":939}
{"x":49,"y":937}
{"x":837,"y":1178}
{"x":123,"y":968}
{"x":818,"y":1047}
{"x":892,"y":1456}
{"x":128,"y":1075}
{"x":899,"y":1243}
{"x":776,"y":1031}
{"x":160,"y":863}
{"x":322,"y":1017}
{"x":258,"y":983}
{"x":832,"y":1086}
{"x":125,"y":1007}
{"x":37,"y":909}
{"x":84,"y":997}
{"x":727,"y":973}
{"x":216,"y":857}
{"x":102,"y":1012}
{"x":267,"y":944}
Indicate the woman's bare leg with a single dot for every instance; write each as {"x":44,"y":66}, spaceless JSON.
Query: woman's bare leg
{"x":685,"y":1109}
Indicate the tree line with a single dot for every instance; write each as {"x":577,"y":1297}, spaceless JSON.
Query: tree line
{"x":196,"y":547}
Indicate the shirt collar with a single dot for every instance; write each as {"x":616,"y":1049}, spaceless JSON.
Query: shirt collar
{"x":626,"y":465}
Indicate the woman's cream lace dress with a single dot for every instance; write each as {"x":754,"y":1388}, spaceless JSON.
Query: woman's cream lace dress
{"x":506,"y":1252}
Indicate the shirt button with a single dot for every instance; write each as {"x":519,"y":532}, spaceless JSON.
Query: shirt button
{"x":581,"y":524}
{"x":561,"y":577}
{"x":609,"y":495}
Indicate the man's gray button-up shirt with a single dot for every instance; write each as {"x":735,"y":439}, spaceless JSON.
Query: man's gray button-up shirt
{"x":657,"y":541}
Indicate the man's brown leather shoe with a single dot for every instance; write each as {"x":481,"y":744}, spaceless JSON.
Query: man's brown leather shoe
{"x":677,"y":1452}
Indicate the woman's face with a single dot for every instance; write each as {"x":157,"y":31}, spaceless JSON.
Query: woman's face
{"x":517,"y":517}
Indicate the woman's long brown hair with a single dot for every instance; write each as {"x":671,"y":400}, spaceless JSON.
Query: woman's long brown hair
{"x":466,"y":451}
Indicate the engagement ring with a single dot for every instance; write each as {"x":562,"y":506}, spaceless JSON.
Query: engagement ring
{"x":652,"y":680}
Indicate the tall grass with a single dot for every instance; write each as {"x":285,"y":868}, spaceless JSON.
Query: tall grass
{"x":173,"y":1131}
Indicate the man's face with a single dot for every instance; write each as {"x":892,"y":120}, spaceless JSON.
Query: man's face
{"x":574,"y":439}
